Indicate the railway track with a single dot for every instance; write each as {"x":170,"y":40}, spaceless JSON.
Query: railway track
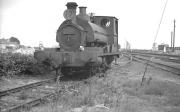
{"x":13,"y":100}
{"x":17,"y":89}
{"x":27,"y":105}
{"x":158,"y":64}
{"x":163,"y":57}
{"x":36,"y":93}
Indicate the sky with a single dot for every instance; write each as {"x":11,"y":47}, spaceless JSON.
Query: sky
{"x":36,"y":21}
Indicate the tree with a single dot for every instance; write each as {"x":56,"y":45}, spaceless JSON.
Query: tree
{"x":14,"y":39}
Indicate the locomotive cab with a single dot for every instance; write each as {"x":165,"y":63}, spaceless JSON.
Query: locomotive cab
{"x":110,"y":24}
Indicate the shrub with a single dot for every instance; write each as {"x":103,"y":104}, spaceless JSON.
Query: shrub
{"x":17,"y":64}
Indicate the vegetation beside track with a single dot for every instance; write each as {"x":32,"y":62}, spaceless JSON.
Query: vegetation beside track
{"x":120,"y":89}
{"x":18,"y":64}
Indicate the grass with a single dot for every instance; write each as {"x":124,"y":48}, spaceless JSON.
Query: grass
{"x":87,"y":94}
{"x":23,"y":95}
{"x":157,"y":92}
{"x":129,"y":96}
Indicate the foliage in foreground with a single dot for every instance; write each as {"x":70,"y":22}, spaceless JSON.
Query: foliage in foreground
{"x":18,"y":64}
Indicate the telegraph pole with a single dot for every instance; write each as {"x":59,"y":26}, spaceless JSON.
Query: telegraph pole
{"x":174,"y":35}
{"x":171,"y":40}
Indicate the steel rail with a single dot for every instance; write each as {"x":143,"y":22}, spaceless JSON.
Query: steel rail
{"x":168,"y":68}
{"x":36,"y":101}
{"x":159,"y":54}
{"x":28,"y":86}
{"x":32,"y":103}
{"x":28,"y":104}
{"x":165,"y":57}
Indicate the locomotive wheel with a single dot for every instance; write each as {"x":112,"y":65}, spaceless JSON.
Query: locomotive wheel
{"x":106,"y":64}
{"x":71,"y":70}
{"x":64,"y":71}
{"x":109,"y":60}
{"x":93,"y":68}
{"x":58,"y":72}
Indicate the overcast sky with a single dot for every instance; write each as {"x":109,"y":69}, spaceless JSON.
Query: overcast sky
{"x":34,"y":21}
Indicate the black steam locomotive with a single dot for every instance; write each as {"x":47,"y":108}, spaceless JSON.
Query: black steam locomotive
{"x":84,"y":41}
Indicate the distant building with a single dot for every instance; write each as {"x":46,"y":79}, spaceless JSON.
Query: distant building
{"x":163,"y":47}
{"x":25,"y":50}
{"x":7,"y":45}
{"x":155,"y":47}
{"x":128,"y":45}
{"x":176,"y":50}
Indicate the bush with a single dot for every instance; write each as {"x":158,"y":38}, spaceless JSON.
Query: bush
{"x":17,"y":64}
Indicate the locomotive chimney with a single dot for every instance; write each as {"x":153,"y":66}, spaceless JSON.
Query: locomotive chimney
{"x":82,"y":14}
{"x":70,"y":12}
{"x":71,"y":5}
{"x":82,"y":10}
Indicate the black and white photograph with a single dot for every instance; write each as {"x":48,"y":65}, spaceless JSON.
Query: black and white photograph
{"x":89,"y":56}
